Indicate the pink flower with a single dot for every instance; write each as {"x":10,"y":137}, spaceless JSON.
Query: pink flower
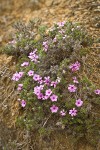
{"x":25,"y":64}
{"x":72,"y":88}
{"x":54,"y":98}
{"x":48,"y":92}
{"x":36,"y":77}
{"x":45,"y":97}
{"x":62,"y":112}
{"x":17,"y":76}
{"x":20,"y":87}
{"x":40,"y":96}
{"x":97,"y":92}
{"x":54,"y":109}
{"x":30,"y":73}
{"x":54,"y":83}
{"x":37,"y":90}
{"x":21,"y":74}
{"x":61,"y":24}
{"x":73,"y":112}
{"x":47,"y":80}
{"x":75,"y":80}
{"x":75,"y":66}
{"x":45,"y":46}
{"x":23,"y":103}
{"x":33,"y":56}
{"x":79,"y":103}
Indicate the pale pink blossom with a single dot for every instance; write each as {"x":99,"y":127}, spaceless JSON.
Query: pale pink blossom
{"x":40,"y":96}
{"x":54,"y":83}
{"x":45,"y":97}
{"x":20,"y":86}
{"x":62,"y":112}
{"x":75,"y":66}
{"x":72,"y":88}
{"x":25,"y":64}
{"x":37,"y":90}
{"x":75,"y":80}
{"x":97,"y":92}
{"x":48,"y":92}
{"x":45,"y":46}
{"x":53,"y":98}
{"x":33,"y":56}
{"x":36,"y":77}
{"x":17,"y":76}
{"x":30,"y":73}
{"x":23,"y":103}
{"x":47,"y":80}
{"x":79,"y":103}
{"x":61,"y":24}
{"x":54,"y":109}
{"x":73,"y":112}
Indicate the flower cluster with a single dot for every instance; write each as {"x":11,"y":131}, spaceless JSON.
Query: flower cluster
{"x":33,"y":56}
{"x":45,"y":46}
{"x":44,"y":90}
{"x":72,"y":88}
{"x":20,"y":86}
{"x":49,"y":84}
{"x":17,"y":76}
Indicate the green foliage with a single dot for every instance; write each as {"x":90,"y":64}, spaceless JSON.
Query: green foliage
{"x":66,"y":45}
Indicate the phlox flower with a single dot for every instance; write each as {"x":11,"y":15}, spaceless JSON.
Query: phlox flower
{"x":21,"y":74}
{"x":54,"y":98}
{"x":17,"y":76}
{"x":61,"y":24}
{"x":33,"y":56}
{"x":45,"y":97}
{"x":72,"y":88}
{"x":79,"y":103}
{"x":30,"y":73}
{"x":45,"y":46}
{"x":23,"y":103}
{"x":54,"y":83}
{"x":40,"y":81}
{"x":62,"y":112}
{"x":47,"y":80}
{"x":25,"y":64}
{"x":75,"y":66}
{"x":37,"y":90}
{"x":73,"y":112}
{"x":20,"y":87}
{"x":75,"y":80}
{"x":40,"y":96}
{"x":48,"y":92}
{"x":97,"y":92}
{"x":36,"y":77}
{"x":54,"y":109}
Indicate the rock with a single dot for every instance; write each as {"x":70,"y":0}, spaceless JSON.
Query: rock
{"x":49,"y":3}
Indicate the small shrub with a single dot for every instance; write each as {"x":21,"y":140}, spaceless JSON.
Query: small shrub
{"x":52,"y":92}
